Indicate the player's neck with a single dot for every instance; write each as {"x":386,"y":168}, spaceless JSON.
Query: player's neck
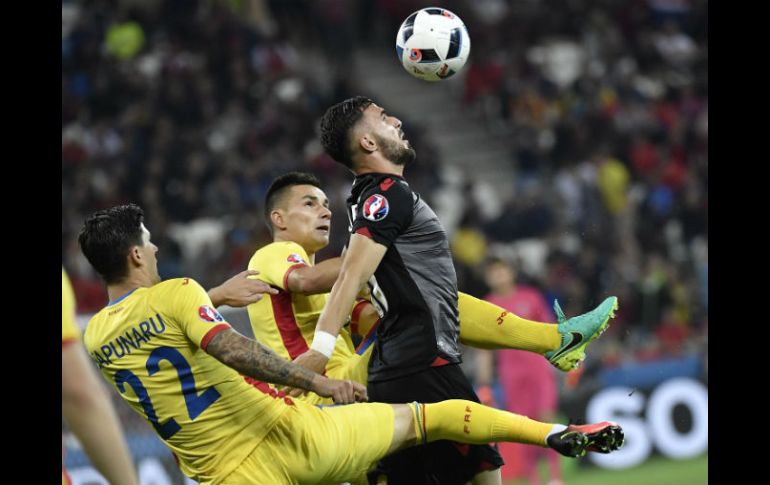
{"x":310,"y":253}
{"x":378,"y":164}
{"x":130,"y":283}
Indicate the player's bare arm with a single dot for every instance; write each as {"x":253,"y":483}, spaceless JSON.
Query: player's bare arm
{"x":240,"y":290}
{"x":253,"y":359}
{"x":361,"y":260}
{"x":88,"y":411}
{"x":311,"y":280}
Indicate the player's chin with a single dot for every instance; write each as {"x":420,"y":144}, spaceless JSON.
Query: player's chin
{"x":407,"y":157}
{"x":322,"y":240}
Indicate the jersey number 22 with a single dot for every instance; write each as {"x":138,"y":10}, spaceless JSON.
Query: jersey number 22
{"x":196,"y":403}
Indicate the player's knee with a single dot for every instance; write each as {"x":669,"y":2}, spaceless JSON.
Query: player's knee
{"x":403,"y":427}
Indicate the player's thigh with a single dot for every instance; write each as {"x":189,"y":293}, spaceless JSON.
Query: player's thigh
{"x":361,"y":435}
{"x":301,"y":448}
{"x":268,"y":464}
{"x":319,"y":445}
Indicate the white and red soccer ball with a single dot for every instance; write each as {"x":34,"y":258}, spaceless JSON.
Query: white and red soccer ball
{"x":433,"y":44}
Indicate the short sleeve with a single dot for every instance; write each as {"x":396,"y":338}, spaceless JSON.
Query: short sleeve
{"x":192,"y":309}
{"x":276,"y":261}
{"x":385,"y":211}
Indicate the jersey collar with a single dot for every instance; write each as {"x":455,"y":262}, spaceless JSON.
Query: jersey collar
{"x":122,"y":297}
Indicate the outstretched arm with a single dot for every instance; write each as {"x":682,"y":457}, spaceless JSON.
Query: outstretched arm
{"x":311,"y":280}
{"x":253,"y":359}
{"x":240,"y":290}
{"x":87,"y":409}
{"x":361,"y":260}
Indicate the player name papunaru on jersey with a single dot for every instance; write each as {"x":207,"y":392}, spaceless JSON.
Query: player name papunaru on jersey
{"x":134,"y":337}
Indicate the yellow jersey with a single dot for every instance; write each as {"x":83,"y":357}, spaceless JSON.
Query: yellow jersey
{"x":286,"y":322}
{"x":150,"y":344}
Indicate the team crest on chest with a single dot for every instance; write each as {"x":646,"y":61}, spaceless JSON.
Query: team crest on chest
{"x":208,"y":314}
{"x":376,"y":208}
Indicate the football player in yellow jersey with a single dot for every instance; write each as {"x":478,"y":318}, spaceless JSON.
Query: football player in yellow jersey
{"x":297,"y":213}
{"x":299,"y":220}
{"x":85,"y":405}
{"x":178,"y":363}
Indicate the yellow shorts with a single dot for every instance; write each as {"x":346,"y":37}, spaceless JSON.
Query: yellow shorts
{"x":352,"y":366}
{"x":319,"y":445}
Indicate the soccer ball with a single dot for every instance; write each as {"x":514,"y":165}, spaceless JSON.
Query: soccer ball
{"x":433,"y":44}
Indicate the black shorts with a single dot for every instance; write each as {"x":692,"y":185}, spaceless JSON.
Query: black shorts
{"x":441,"y":462}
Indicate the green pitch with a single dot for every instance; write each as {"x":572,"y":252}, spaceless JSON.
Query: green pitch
{"x":658,"y":471}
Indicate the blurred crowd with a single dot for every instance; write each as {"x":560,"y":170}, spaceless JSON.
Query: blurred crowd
{"x":191,"y":108}
{"x":604,"y":106}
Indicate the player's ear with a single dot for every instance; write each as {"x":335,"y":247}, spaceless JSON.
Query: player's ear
{"x":277,"y":219}
{"x":135,"y":256}
{"x":367,"y":143}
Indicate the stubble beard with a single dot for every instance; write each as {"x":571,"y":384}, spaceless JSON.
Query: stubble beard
{"x":397,"y":153}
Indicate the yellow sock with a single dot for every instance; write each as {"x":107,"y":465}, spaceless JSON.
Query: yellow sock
{"x":469,"y":422}
{"x":487,"y":326}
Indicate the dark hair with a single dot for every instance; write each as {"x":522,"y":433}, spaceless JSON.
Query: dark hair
{"x":279,"y":187}
{"x":106,"y":237}
{"x":336,"y":124}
